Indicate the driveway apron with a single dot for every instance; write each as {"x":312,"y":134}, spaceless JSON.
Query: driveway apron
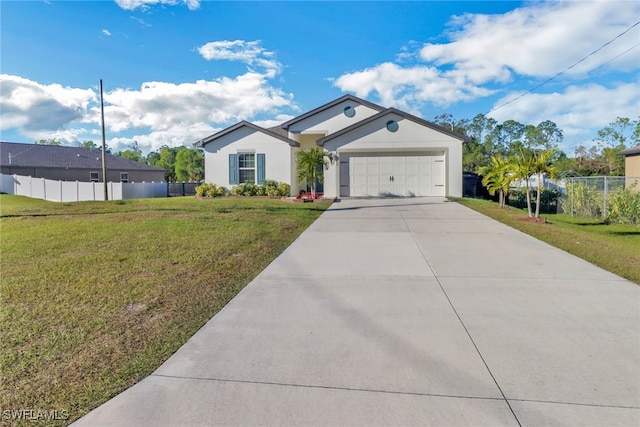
{"x":413,"y":311}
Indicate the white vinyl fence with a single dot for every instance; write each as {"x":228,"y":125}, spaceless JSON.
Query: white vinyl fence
{"x":75,"y":191}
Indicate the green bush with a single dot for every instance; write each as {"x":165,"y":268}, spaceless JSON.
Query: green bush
{"x":584,"y":200}
{"x":210,"y":190}
{"x":245,"y":189}
{"x":548,"y":199}
{"x":268,"y":188}
{"x":623,"y":205}
{"x":284,"y":189}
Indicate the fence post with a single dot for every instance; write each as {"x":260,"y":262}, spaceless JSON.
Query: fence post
{"x":604,"y":210}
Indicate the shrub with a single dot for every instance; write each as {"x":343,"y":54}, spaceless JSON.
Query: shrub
{"x":623,"y":206}
{"x":268,"y":188}
{"x":210,"y":190}
{"x":245,"y":189}
{"x":584,"y":200}
{"x":548,"y":199}
{"x":284,"y":189}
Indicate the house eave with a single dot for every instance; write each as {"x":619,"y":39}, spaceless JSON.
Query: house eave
{"x":463,"y":138}
{"x":203,"y":142}
{"x":326,"y":106}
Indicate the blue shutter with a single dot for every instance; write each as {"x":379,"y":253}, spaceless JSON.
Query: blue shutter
{"x":233,"y":168}
{"x":261,"y":168}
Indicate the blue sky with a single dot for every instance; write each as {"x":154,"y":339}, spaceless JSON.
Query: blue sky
{"x":176,"y":71}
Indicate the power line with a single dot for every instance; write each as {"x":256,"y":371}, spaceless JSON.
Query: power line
{"x":571,"y":66}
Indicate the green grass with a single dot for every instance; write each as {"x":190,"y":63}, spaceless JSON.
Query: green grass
{"x":613,"y":247}
{"x":96,"y":295}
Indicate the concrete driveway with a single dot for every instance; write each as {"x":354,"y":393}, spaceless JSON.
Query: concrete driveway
{"x":406,"y":312}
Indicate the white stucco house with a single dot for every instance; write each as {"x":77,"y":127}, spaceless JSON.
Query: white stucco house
{"x":378,"y":152}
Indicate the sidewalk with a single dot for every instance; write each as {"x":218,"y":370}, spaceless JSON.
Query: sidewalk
{"x":406,"y":312}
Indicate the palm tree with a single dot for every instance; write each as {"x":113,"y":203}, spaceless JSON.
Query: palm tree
{"x":524,"y":169}
{"x":541,"y":166}
{"x":498,"y":176}
{"x":311,"y":165}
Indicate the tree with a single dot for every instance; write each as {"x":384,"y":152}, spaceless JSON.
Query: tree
{"x":497,"y":176}
{"x":477,"y":152}
{"x":545,"y":136}
{"x":311,"y":166}
{"x":447,"y":121}
{"x":613,"y":138}
{"x":52,"y":141}
{"x":166,"y":160}
{"x":133,"y":153}
{"x":509,"y":136}
{"x":189,"y":165}
{"x":524,"y":169}
{"x":90,"y":145}
{"x":542,"y":165}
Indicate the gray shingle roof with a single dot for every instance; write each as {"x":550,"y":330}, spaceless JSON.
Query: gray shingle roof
{"x":56,"y":156}
{"x":630,"y":151}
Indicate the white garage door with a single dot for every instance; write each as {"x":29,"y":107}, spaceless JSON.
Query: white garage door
{"x":394,"y":175}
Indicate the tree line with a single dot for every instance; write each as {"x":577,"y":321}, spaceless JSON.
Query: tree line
{"x":491,"y":138}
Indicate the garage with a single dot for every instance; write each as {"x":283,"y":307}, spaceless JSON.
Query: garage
{"x":392,"y":174}
{"x":393,"y":154}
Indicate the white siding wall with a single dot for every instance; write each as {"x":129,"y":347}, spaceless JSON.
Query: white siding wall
{"x":410,"y":137}
{"x":277,"y":155}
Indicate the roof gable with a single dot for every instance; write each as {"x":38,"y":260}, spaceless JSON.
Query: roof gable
{"x":407,"y":116}
{"x":59,"y":156}
{"x":331,"y":104}
{"x":243,"y":124}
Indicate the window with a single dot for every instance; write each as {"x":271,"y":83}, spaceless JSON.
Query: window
{"x":246,"y":168}
{"x":94,"y":176}
{"x":349,"y":111}
{"x":124,"y":176}
{"x":392,"y":126}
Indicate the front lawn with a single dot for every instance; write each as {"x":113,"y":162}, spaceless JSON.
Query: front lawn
{"x":96,"y":295}
{"x":614,"y":247}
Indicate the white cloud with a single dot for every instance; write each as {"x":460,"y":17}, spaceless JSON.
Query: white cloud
{"x":145,"y":4}
{"x":159,"y":112}
{"x":576,"y":109}
{"x":160,"y":106}
{"x":33,"y":106}
{"x":408,"y":88}
{"x":173,"y":136}
{"x":106,"y":32}
{"x":538,"y":40}
{"x":248,"y":52}
{"x":65,"y":136}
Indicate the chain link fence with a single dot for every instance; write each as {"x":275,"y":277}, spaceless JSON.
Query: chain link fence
{"x":609,"y":198}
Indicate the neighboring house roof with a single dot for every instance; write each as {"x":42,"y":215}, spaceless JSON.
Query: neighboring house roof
{"x":630,"y":151}
{"x":57,"y":156}
{"x":355,"y":99}
{"x":244,"y":123}
{"x":400,"y":113}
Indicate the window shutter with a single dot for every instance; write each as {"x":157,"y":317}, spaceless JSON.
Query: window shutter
{"x":261,"y":168}
{"x":233,"y":168}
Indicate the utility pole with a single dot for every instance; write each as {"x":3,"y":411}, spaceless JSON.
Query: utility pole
{"x":104,"y":150}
